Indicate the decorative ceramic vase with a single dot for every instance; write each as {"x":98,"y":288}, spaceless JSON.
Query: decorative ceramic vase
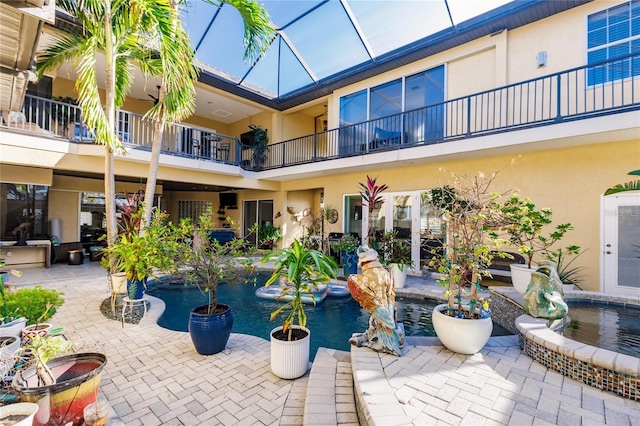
{"x":290,"y":358}
{"x":350,"y":262}
{"x":464,"y":336}
{"x":77,"y":384}
{"x":34,"y":330}
{"x":25,"y":411}
{"x":210,"y":332}
{"x":521,"y":276}
{"x":135,"y":289}
{"x":13,"y":328}
{"x":399,"y":273}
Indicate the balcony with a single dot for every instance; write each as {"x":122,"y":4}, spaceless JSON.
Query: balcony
{"x":575,"y":94}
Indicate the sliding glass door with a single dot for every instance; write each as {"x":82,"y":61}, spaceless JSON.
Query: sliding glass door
{"x":256,"y":211}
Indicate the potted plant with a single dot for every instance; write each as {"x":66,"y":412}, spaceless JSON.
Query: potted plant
{"x":525,"y":225}
{"x":268,"y":235}
{"x":139,"y":254}
{"x":347,"y":246}
{"x":36,"y":305}
{"x":464,"y":323}
{"x":260,"y":145}
{"x":302,"y":270}
{"x":396,"y":253}
{"x":205,"y":262}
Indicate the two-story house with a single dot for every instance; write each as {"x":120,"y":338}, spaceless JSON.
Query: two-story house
{"x":545,"y":92}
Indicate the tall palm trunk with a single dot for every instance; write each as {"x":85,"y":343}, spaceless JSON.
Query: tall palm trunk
{"x":154,"y":163}
{"x":109,"y":161}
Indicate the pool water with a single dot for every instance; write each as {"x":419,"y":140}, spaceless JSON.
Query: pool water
{"x":607,"y":326}
{"x":331,"y":322}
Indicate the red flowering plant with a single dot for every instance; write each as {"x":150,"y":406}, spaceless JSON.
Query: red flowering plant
{"x":370,"y":193}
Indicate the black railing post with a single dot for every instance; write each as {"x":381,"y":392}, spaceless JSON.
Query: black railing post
{"x":559,"y":98}
{"x":468,"y":115}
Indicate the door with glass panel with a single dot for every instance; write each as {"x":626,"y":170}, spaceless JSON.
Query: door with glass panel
{"x":256,"y":211}
{"x":621,"y":244}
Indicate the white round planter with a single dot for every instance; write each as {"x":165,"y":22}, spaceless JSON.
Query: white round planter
{"x":464,"y":336}
{"x":290,"y":359}
{"x":28,"y":409}
{"x":399,"y":273}
{"x":13,"y":328}
{"x":521,"y":276}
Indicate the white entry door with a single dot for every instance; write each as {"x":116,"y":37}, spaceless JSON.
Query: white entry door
{"x":621,"y":244}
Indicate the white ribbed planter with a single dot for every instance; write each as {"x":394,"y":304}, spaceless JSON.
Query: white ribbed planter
{"x":290,"y":359}
{"x":464,"y":336}
{"x":399,"y":273}
{"x":521,"y":276}
{"x":14,"y":328}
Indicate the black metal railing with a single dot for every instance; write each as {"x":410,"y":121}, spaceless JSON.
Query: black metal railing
{"x":605,"y":88}
{"x":599,"y":89}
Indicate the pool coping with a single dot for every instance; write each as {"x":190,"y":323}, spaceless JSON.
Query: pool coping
{"x":600,"y":368}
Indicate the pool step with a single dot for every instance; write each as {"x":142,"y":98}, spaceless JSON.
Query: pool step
{"x":330,"y":399}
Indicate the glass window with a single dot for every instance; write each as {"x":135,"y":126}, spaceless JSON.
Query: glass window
{"x":24,"y":211}
{"x":353,"y":108}
{"x":613,"y":33}
{"x":386,"y":100}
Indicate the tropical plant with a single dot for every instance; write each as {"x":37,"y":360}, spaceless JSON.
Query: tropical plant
{"x":470,"y":208}
{"x":370,"y":193}
{"x":569,"y":275}
{"x":260,"y":144}
{"x":395,"y":250}
{"x":204,"y":261}
{"x":633,"y":185}
{"x":126,"y":34}
{"x":524,"y":225}
{"x":138,"y":255}
{"x":302,"y":270}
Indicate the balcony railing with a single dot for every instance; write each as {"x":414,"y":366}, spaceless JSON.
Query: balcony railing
{"x":55,"y":118}
{"x":606,"y":88}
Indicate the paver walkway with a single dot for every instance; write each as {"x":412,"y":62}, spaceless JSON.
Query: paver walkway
{"x":155,"y":377}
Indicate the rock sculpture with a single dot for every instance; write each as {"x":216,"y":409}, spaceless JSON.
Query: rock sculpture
{"x":373,"y":289}
{"x":543,"y":298}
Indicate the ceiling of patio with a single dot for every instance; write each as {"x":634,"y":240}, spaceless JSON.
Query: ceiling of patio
{"x":322,"y":43}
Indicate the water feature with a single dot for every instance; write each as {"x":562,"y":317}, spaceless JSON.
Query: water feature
{"x":605,"y":325}
{"x":331,"y":323}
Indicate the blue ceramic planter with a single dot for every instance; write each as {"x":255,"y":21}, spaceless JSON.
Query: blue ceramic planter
{"x":135,"y":289}
{"x":350,"y":262}
{"x":210,"y":332}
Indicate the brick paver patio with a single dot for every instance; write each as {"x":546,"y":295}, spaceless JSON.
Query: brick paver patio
{"x":155,"y":377}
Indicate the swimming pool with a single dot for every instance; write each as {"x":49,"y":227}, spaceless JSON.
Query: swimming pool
{"x":331,"y":323}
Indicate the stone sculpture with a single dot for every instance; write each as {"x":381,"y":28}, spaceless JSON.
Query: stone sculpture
{"x":543,"y":298}
{"x":373,"y":289}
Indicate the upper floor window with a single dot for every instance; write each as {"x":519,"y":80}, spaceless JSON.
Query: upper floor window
{"x":611,"y":34}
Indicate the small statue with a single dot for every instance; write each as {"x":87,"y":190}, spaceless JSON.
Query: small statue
{"x":542,"y":300}
{"x":373,"y":289}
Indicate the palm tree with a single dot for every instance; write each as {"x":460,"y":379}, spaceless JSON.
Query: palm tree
{"x":127,"y":33}
{"x":176,"y":93}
